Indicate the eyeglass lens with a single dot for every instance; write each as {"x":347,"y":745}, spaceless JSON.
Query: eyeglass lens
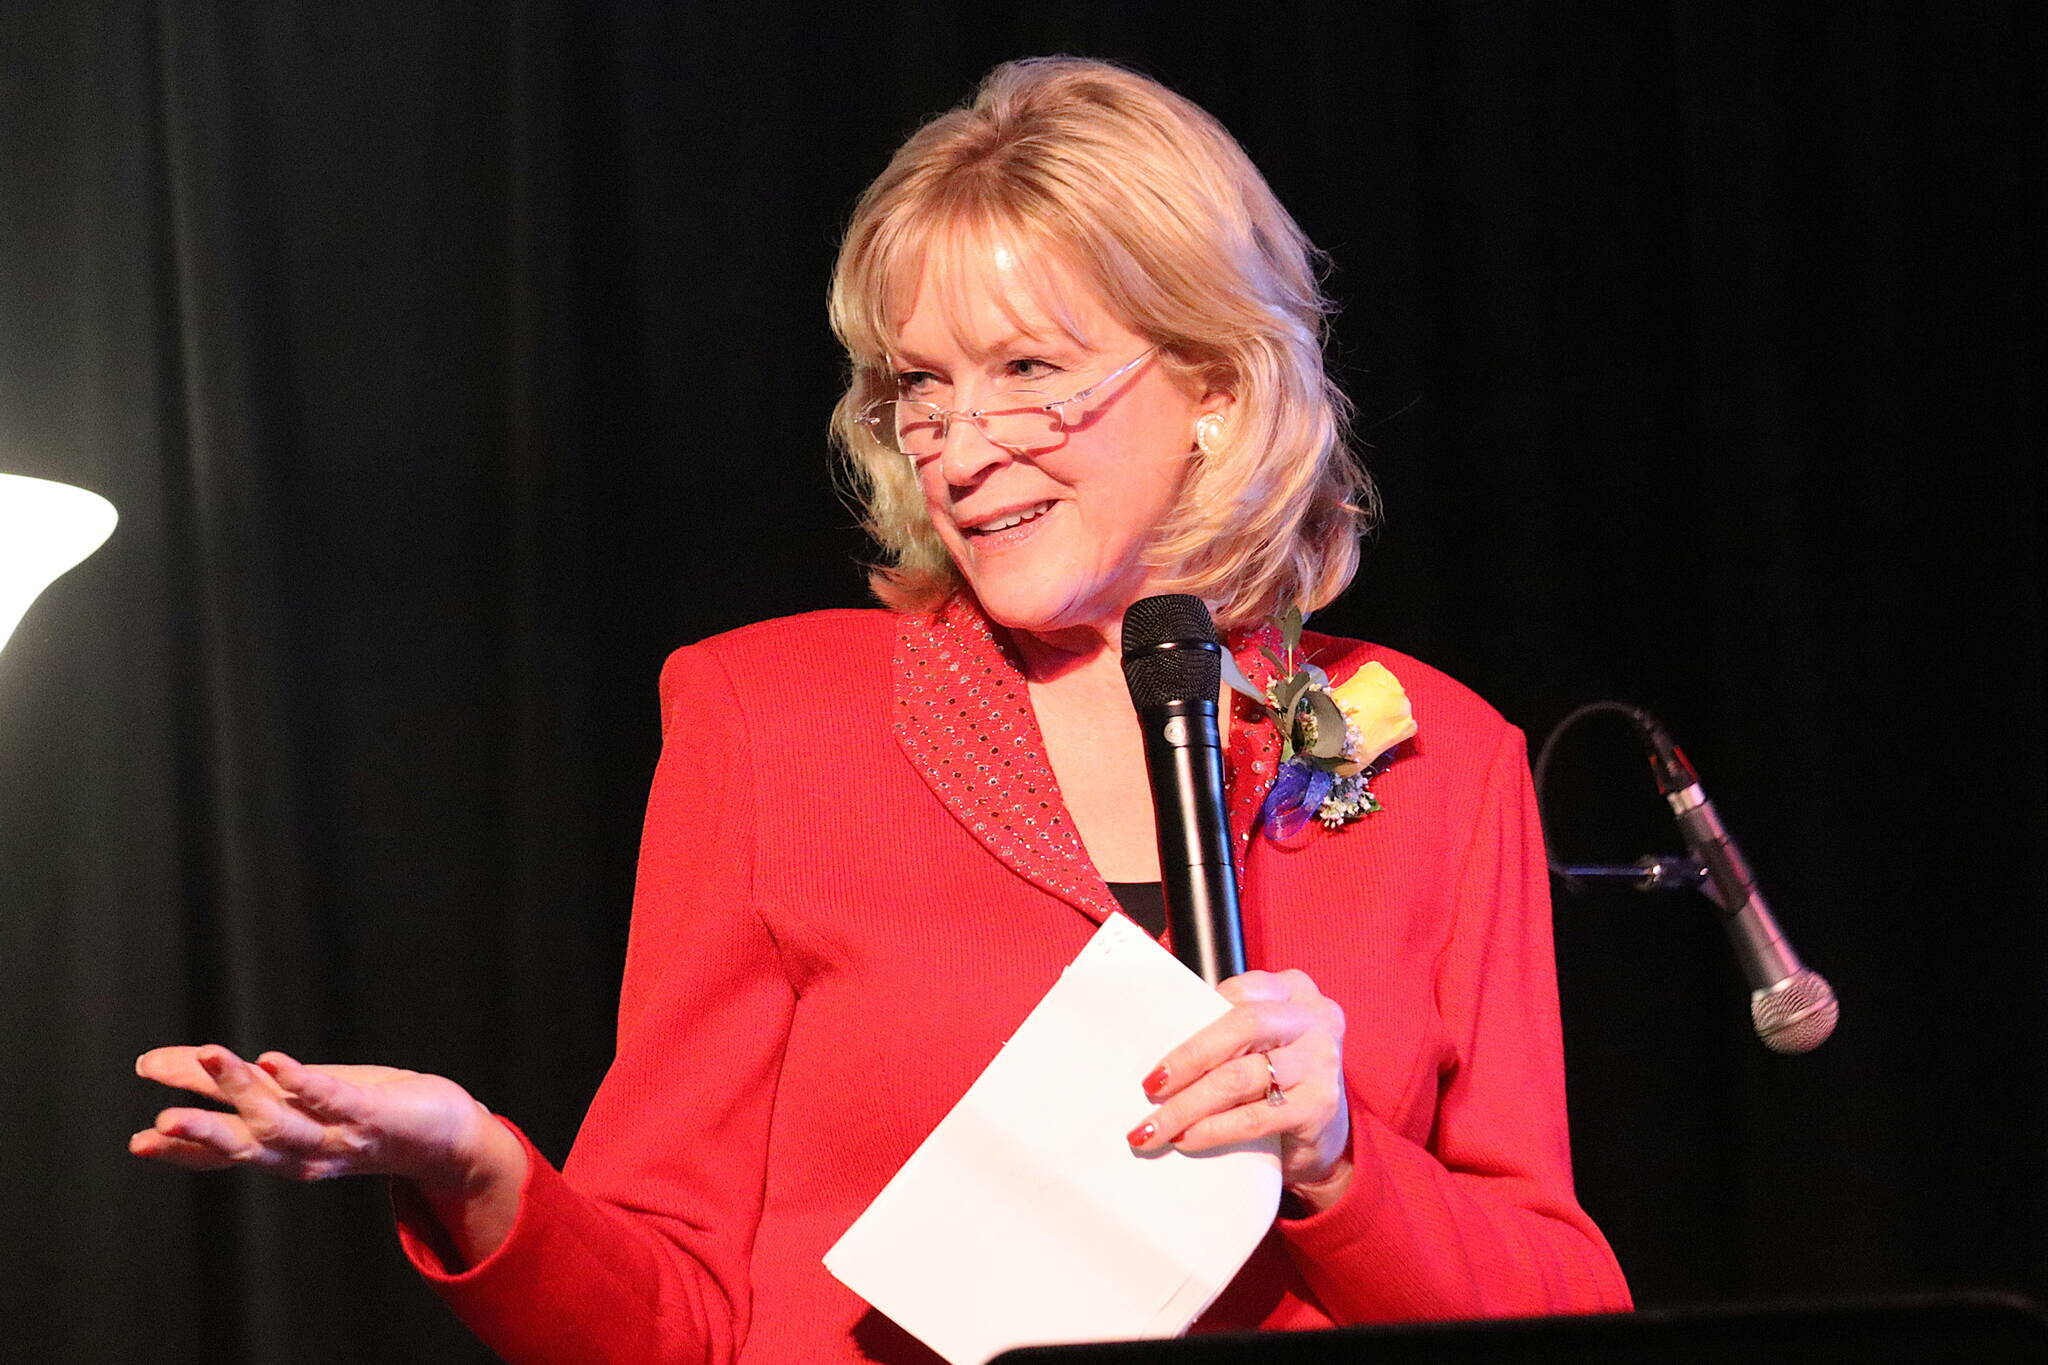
{"x":1016,"y":423}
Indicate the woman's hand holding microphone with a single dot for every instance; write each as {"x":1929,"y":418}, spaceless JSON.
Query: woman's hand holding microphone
{"x":316,"y":1122}
{"x":1272,"y":1067}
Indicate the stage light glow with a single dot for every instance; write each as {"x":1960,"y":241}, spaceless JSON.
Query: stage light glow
{"x":45,"y":528}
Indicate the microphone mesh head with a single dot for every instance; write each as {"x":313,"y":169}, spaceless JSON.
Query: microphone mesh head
{"x":1797,"y":1014}
{"x":1170,"y":651}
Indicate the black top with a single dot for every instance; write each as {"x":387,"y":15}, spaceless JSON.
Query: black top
{"x":1143,"y":902}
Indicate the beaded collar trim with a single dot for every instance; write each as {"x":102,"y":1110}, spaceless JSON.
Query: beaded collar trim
{"x":963,"y":717}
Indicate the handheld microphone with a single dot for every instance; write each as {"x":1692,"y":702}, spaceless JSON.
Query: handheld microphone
{"x":1174,"y":668}
{"x":1794,"y":1009}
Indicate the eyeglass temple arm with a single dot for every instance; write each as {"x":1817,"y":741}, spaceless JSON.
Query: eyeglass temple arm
{"x":1102,"y":383}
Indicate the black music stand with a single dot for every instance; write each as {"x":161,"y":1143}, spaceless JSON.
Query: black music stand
{"x":1977,"y":1328}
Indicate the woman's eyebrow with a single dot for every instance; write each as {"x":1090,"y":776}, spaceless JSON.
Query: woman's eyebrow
{"x":1009,"y":345}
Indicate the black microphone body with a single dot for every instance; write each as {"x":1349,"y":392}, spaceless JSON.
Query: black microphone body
{"x":1173,"y":666}
{"x":1197,"y":875}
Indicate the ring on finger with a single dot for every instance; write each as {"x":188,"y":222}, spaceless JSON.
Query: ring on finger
{"x":1274,"y":1095}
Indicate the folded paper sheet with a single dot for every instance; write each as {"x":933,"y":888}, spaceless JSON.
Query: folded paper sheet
{"x":1024,"y":1219}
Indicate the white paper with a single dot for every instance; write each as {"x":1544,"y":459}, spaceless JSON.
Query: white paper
{"x":1024,"y":1219}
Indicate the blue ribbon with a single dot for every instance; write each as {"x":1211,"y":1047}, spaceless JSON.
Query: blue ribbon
{"x":1296,"y":795}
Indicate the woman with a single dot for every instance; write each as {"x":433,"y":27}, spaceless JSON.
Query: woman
{"x":1086,"y":354}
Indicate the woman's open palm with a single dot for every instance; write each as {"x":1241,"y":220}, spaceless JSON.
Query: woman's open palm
{"x":312,"y":1122}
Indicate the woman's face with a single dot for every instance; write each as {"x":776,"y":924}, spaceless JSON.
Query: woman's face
{"x":1089,"y":500}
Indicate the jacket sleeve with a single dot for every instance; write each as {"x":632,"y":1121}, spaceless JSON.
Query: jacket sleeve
{"x":1482,"y":1222}
{"x":638,"y":1249}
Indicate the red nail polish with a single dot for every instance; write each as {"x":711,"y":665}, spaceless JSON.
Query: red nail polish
{"x":1156,"y":1082}
{"x":1142,"y":1134}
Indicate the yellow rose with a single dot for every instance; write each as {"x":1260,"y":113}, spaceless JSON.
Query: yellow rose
{"x":1377,"y":711}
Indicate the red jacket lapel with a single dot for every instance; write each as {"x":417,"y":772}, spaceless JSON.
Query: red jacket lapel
{"x":963,"y":717}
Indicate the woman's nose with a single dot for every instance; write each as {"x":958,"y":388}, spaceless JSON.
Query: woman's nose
{"x":967,"y":455}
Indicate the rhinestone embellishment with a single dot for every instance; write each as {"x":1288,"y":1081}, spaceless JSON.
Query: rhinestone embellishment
{"x":963,"y":717}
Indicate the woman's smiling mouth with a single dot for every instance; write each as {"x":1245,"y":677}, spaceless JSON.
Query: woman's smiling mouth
{"x":1008,"y":522}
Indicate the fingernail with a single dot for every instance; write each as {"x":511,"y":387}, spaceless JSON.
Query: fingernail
{"x":1156,"y":1082}
{"x":1142,"y":1134}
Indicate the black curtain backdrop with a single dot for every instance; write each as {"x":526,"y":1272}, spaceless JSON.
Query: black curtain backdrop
{"x":449,"y":364}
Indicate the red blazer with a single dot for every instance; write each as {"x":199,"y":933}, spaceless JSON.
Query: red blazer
{"x":857,"y":878}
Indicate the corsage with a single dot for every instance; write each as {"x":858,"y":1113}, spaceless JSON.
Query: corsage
{"x":1333,"y":738}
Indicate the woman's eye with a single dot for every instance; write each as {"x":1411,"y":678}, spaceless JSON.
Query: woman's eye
{"x":914,"y":381}
{"x":1031,"y":368}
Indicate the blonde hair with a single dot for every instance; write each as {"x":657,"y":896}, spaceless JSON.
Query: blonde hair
{"x":1146,"y":199}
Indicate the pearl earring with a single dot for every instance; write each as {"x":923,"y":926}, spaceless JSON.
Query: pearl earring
{"x":1208,"y":431}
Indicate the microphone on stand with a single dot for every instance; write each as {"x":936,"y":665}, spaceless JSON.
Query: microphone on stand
{"x":1174,"y":669}
{"x":1793,"y":1008}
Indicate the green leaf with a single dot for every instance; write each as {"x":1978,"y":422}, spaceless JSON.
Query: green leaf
{"x":1279,"y":664}
{"x":1330,"y":726}
{"x":1287,"y":695}
{"x":1290,"y":629}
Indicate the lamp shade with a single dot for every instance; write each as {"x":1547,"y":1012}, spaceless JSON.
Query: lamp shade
{"x":45,"y":528}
